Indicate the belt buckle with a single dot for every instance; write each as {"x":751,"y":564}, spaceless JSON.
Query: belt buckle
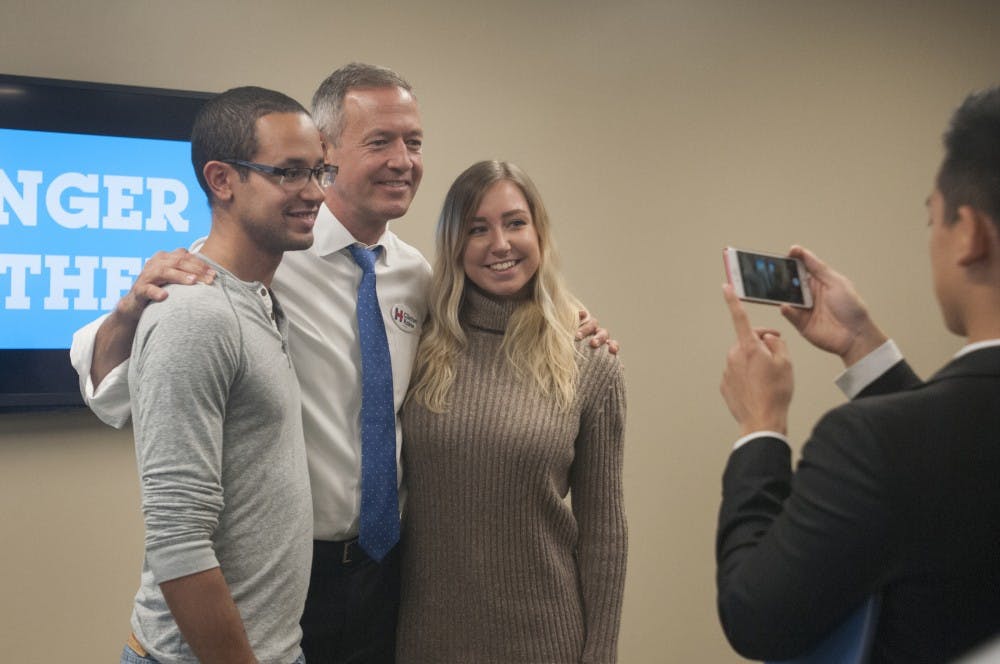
{"x":346,"y":558}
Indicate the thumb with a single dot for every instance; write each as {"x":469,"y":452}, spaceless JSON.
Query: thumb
{"x":813,"y":264}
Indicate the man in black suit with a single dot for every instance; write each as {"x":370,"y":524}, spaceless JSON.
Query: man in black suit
{"x":898,"y":491}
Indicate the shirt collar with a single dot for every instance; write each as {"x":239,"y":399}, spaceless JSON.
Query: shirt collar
{"x":330,"y":236}
{"x":969,"y":348}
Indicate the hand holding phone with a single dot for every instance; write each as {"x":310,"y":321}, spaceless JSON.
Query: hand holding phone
{"x":768,"y":278}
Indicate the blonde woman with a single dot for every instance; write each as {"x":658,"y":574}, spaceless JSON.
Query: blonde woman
{"x":508,"y":415}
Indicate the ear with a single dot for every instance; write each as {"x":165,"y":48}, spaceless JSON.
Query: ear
{"x":330,"y":150}
{"x":976,"y":235}
{"x":219,"y":178}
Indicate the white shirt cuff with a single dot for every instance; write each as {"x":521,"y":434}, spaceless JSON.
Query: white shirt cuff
{"x":863,"y":373}
{"x":758,"y":434}
{"x":110,"y":401}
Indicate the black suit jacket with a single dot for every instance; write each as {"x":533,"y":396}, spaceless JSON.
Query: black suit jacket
{"x":898,"y":493}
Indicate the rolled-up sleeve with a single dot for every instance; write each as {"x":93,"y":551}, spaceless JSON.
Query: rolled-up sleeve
{"x":110,"y":401}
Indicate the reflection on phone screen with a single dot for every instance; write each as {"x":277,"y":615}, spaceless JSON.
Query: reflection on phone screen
{"x":770,"y":278}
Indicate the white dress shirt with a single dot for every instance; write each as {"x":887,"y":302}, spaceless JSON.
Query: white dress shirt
{"x":318,"y":289}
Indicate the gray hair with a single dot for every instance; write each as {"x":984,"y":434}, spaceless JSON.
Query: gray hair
{"x":328,"y":101}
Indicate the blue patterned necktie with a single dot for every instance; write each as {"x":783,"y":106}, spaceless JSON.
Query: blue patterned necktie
{"x":379,"y":529}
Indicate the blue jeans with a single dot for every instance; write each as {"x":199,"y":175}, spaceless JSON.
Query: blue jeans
{"x":130,"y":656}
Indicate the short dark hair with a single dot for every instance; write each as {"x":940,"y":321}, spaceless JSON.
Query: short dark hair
{"x":225,"y":127}
{"x":328,"y":101}
{"x":970,"y":171}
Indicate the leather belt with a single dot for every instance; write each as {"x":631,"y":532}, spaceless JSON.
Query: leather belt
{"x":347,"y":552}
{"x":134,"y":644}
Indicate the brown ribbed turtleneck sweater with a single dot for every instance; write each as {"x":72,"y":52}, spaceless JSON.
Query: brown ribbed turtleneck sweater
{"x":497,"y":566}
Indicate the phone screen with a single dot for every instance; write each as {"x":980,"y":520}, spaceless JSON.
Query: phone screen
{"x":770,"y":277}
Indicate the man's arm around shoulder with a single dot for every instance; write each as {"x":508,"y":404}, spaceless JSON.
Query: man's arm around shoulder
{"x":101,"y":349}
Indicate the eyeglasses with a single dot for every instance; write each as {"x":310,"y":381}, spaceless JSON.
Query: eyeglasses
{"x":292,"y":178}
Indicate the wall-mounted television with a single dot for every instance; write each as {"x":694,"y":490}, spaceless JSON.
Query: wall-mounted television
{"x":94,"y":179}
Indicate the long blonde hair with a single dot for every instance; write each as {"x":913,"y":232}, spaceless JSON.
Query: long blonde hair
{"x":539,"y":340}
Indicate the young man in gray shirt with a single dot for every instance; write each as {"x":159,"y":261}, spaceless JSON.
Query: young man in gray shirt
{"x":216,"y":409}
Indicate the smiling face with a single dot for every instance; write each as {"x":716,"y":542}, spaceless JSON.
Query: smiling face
{"x":379,"y":155}
{"x":502,"y":253}
{"x":274,"y":217}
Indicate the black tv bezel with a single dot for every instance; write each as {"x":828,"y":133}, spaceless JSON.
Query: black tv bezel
{"x":44,"y":379}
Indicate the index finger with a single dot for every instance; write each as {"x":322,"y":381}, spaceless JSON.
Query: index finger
{"x":741,"y":322}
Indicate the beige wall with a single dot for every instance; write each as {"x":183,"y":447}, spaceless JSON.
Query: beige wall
{"x":657,"y":131}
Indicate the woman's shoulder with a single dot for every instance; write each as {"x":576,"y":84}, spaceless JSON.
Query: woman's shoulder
{"x":601,"y":381}
{"x":596,"y":363}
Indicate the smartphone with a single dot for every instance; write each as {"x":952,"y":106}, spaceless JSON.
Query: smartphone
{"x":768,"y":278}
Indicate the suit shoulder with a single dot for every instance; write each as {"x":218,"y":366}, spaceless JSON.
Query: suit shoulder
{"x":876,"y":430}
{"x":913,"y":402}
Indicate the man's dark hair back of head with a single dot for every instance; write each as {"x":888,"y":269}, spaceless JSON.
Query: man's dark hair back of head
{"x":328,"y":101}
{"x":970,"y":172}
{"x":225,"y":127}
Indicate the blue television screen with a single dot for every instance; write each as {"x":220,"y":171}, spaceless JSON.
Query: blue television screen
{"x":94,"y":179}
